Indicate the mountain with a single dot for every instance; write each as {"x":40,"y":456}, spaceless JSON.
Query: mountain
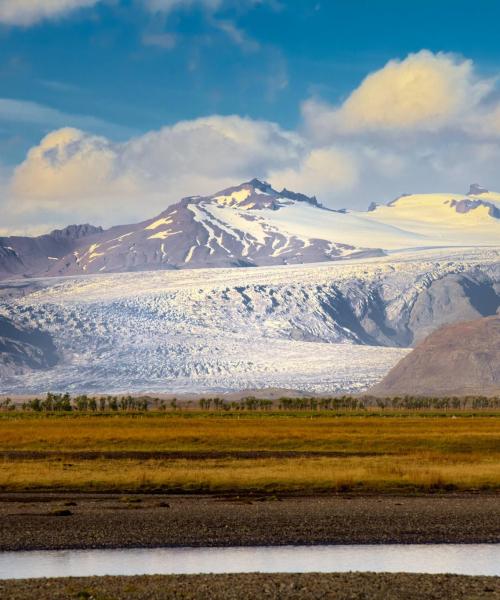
{"x":330,"y":327}
{"x":458,"y":359}
{"x":236,"y":227}
{"x":444,"y":219}
{"x":27,"y":256}
{"x":149,"y":315}
{"x":253,"y":224}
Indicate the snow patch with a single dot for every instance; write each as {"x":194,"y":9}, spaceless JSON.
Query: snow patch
{"x":159,"y":223}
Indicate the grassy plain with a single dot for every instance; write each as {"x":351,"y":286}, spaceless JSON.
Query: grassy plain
{"x":250,"y":453}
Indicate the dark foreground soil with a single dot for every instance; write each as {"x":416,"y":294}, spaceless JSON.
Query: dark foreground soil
{"x":58,"y":521}
{"x":344,"y":586}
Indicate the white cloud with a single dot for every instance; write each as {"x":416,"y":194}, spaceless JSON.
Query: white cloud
{"x":29,"y":12}
{"x":72,"y":172}
{"x":322,"y":172}
{"x":427,"y":123}
{"x":426,"y":92}
{"x":484,"y":123}
{"x":67,"y":163}
{"x":237,"y":36}
{"x":210,"y":6}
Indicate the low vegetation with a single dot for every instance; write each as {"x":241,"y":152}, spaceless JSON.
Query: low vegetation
{"x":249,"y":452}
{"x":411,"y":473}
{"x":65,"y":403}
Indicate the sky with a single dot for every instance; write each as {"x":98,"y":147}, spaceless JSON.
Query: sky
{"x":110,"y":110}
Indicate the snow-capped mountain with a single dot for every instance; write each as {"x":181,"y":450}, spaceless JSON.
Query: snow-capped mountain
{"x":253,"y":224}
{"x":445,"y":219}
{"x":388,"y":277}
{"x":232,"y":228}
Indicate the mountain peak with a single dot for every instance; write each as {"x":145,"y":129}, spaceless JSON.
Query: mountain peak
{"x":256,"y":195}
{"x":476,"y":190}
{"x":263,"y":186}
{"x":300,"y":197}
{"x":75,"y":232}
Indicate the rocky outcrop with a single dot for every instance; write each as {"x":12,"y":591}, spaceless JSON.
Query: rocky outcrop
{"x":24,"y":349}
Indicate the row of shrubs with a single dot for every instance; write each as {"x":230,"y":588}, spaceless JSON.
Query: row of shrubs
{"x":350,"y":403}
{"x":83,"y":403}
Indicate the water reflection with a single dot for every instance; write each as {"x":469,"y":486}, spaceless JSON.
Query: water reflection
{"x":466,"y":559}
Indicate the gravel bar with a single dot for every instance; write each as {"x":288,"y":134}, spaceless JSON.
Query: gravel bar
{"x":310,"y":586}
{"x":58,"y":521}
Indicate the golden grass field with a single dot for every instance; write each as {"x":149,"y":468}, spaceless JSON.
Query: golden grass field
{"x":396,"y":453}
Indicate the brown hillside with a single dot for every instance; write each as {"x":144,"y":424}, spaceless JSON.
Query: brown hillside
{"x":458,"y":359}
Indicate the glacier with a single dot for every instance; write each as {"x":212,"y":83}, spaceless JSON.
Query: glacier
{"x":329,"y":327}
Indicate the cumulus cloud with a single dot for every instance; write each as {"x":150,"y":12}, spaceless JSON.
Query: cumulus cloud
{"x":67,"y":162}
{"x":322,"y":172}
{"x":425,"y":92}
{"x":429,"y":122}
{"x":28,"y":12}
{"x":72,"y":172}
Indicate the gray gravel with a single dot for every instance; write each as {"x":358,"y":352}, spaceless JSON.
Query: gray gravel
{"x":344,"y":586}
{"x":57,"y":521}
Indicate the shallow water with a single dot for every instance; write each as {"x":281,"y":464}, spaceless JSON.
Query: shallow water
{"x":465,"y":559}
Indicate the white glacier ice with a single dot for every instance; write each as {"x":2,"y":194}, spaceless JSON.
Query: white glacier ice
{"x":325,"y":327}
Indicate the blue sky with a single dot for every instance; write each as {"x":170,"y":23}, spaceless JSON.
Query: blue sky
{"x":138,"y":70}
{"x":123,"y":68}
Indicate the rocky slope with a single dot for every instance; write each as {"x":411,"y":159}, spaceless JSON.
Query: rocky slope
{"x":28,"y":256}
{"x":459,"y":359}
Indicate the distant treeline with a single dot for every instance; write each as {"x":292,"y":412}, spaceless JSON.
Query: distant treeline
{"x":114,"y":404}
